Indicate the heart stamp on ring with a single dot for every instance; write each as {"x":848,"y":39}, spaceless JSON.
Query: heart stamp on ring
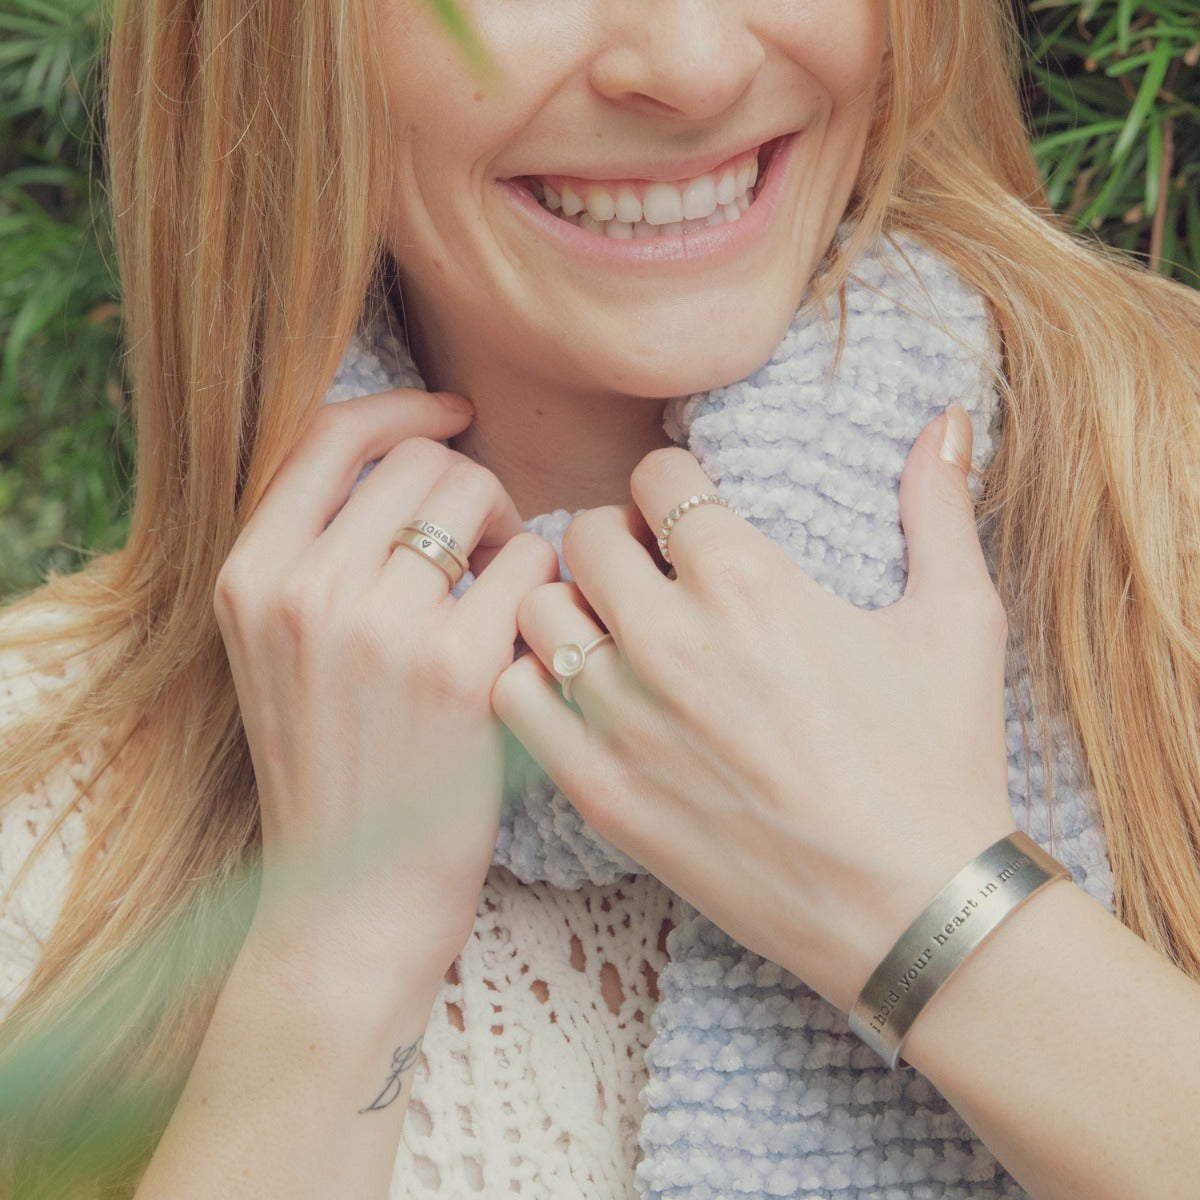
{"x":429,"y":543}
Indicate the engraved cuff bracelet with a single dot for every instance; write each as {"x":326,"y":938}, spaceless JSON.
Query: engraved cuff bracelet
{"x":936,"y":944}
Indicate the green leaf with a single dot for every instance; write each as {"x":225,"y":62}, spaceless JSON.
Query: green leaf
{"x":1124,"y":22}
{"x":1154,"y":153}
{"x":1147,"y":93}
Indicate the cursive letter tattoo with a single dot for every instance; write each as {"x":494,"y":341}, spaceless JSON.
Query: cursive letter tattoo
{"x":403,"y":1058}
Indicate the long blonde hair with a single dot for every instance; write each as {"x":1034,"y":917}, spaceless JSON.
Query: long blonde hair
{"x":249,"y":143}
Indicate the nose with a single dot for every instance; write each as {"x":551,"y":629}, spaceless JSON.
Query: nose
{"x":685,"y":58}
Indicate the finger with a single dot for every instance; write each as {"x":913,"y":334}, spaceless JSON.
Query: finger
{"x":470,"y":504}
{"x":936,"y":509}
{"x":612,"y":556}
{"x":491,"y":604}
{"x":314,"y":481}
{"x":559,"y":627}
{"x":570,"y":749}
{"x":635,"y":525}
{"x":360,"y":538}
{"x":664,"y":481}
{"x":405,"y":483}
{"x":526,"y":698}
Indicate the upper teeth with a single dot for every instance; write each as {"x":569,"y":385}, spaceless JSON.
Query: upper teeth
{"x":642,"y":209}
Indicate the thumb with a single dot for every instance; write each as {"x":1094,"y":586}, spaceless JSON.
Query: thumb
{"x":936,"y":509}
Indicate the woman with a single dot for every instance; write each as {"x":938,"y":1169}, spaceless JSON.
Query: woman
{"x":805,"y":772}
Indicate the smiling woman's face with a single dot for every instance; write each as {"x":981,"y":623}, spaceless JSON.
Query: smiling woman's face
{"x":637,"y":196}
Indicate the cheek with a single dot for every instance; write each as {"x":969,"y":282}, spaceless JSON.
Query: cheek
{"x":434,"y":97}
{"x":841,"y":43}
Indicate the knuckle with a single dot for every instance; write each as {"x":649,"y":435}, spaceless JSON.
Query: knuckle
{"x":537,"y":551}
{"x":512,"y":683}
{"x":658,"y":464}
{"x":732,"y":573}
{"x":449,"y":672}
{"x":226,"y":595}
{"x":419,"y":451}
{"x":504,"y":693}
{"x":661,"y":647}
{"x":582,"y":531}
{"x":536,"y":604}
{"x":475,"y":484}
{"x":975,"y":611}
{"x":606,"y":802}
{"x":334,"y":427}
{"x":303,"y":604}
{"x":366,"y":636}
{"x":232,"y":593}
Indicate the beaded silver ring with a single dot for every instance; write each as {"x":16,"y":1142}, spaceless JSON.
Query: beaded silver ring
{"x":670,"y":520}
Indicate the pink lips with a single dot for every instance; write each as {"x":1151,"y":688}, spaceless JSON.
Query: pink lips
{"x":712,"y":244}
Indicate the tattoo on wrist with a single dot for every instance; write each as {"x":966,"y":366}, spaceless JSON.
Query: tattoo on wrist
{"x":402,"y":1061}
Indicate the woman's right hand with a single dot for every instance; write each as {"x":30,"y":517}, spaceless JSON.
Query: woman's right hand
{"x":364,"y":685}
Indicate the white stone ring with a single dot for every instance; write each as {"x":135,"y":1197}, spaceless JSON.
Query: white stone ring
{"x":570,"y":659}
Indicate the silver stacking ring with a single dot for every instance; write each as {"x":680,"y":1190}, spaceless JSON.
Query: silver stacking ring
{"x":672,"y":518}
{"x":435,"y":544}
{"x":570,"y":659}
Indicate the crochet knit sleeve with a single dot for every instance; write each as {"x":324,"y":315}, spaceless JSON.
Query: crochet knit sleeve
{"x":30,"y":899}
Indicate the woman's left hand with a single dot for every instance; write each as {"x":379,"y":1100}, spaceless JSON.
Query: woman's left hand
{"x":806,"y":773}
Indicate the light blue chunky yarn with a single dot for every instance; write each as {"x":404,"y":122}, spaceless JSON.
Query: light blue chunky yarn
{"x":757,"y":1088}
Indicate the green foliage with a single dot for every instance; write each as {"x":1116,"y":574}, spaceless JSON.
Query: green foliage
{"x":1115,"y":97}
{"x":1113,"y":85}
{"x":64,"y":445}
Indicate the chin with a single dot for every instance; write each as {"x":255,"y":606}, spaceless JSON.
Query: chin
{"x":675,"y":365}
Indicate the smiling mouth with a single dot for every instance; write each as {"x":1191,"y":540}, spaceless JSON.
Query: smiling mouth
{"x":631,"y":208}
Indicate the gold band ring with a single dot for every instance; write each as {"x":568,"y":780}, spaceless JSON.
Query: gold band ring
{"x":669,"y":521}
{"x":430,"y":548}
{"x":447,"y":543}
{"x":570,"y":659}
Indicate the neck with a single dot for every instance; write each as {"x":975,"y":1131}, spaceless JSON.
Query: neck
{"x":549,"y":447}
{"x":553,"y":453}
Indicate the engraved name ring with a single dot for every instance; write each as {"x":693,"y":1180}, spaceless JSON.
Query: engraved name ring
{"x":422,"y":537}
{"x":447,"y":543}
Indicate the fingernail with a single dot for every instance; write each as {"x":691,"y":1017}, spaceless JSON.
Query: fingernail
{"x":956,"y":437}
{"x":454,"y":402}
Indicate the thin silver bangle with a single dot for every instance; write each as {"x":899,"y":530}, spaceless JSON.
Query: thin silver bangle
{"x":939,"y":941}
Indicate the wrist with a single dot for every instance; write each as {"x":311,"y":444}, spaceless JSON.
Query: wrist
{"x":1005,"y":982}
{"x":397,"y":935}
{"x":862,"y":915}
{"x":341,"y":973}
{"x":949,"y":930}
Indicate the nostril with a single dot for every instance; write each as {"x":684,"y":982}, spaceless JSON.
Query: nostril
{"x":655,"y":107}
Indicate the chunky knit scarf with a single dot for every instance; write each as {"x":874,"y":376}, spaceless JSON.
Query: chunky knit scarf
{"x":757,"y":1088}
